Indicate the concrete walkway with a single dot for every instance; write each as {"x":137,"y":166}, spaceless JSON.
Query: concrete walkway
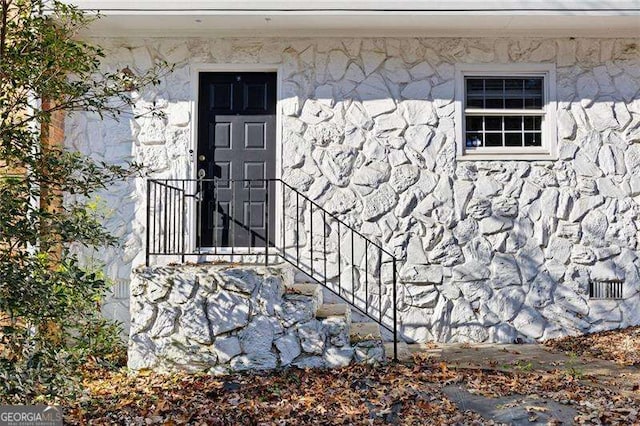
{"x":526,"y":357}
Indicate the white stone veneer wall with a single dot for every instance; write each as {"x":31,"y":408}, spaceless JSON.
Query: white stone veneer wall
{"x":495,"y":249}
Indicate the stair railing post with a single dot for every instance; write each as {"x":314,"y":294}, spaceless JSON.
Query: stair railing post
{"x":395,"y":313}
{"x":148,"y":238}
{"x":266,"y":220}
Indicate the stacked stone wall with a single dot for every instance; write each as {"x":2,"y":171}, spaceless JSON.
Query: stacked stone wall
{"x":495,"y":250}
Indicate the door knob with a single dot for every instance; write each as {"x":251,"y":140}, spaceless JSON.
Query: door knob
{"x":201,"y":157}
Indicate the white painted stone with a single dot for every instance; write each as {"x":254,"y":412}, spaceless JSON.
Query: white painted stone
{"x":152,"y":131}
{"x":447,"y":253}
{"x":375,"y":96}
{"x":372,"y":174}
{"x":194,"y":323}
{"x":582,"y":255}
{"x":288,"y":347}
{"x":338,"y":357}
{"x":358,"y":116}
{"x":227,"y":311}
{"x":419,"y":137}
{"x":337,"y":65}
{"x":379,"y":202}
{"x":626,"y":86}
{"x":402,"y":177}
{"x":419,"y":112}
{"x":426,"y":274}
{"x":606,"y":271}
{"x":341,"y":201}
{"x":323,"y":134}
{"x":587,"y":89}
{"x":529,"y":193}
{"x":227,"y":347}
{"x":530,"y":323}
{"x":567,"y":151}
{"x":324,"y":95}
{"x":530,"y":258}
{"x":462,"y":313}
{"x":314,"y":112}
{"x":583,"y":205}
{"x":422,"y":70}
{"x":372,"y":60}
{"x":297,"y":179}
{"x":471,"y":271}
{"x":312,"y":337}
{"x":611,"y":160}
{"x":396,"y":71}
{"x":479,"y":208}
{"x":354,"y":73}
{"x":602,"y":116}
{"x":506,"y":207}
{"x":632,"y":159}
{"x":584,"y":167}
{"x":442,"y":94}
{"x":336,"y":162}
{"x":477,"y":292}
{"x":417,"y":91}
{"x":506,"y":302}
{"x":566,"y":124}
{"x":504,"y":271}
{"x":495,"y":224}
{"x":179,"y":115}
{"x":421,"y":296}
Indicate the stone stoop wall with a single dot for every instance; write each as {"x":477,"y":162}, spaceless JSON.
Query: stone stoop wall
{"x":495,"y":250}
{"x":221,"y":318}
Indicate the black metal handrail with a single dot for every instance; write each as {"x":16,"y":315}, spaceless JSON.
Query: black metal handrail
{"x":340,"y":258}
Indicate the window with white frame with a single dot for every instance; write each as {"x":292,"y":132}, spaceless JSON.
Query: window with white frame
{"x":506,"y":111}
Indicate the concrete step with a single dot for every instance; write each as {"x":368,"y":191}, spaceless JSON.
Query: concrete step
{"x":306,"y":289}
{"x":404,"y":353}
{"x":363,"y":331}
{"x":329,"y":310}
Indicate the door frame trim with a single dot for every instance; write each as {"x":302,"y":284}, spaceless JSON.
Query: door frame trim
{"x":195,"y":70}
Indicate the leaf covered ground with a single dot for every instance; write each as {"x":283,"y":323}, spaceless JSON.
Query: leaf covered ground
{"x":409,"y":393}
{"x":621,"y":346}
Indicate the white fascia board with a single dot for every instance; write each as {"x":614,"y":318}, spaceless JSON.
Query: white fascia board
{"x":545,"y":18}
{"x":460,"y":6}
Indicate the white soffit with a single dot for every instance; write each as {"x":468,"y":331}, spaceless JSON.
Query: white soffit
{"x":542,"y":18}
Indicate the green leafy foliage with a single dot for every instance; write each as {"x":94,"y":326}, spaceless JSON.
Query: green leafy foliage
{"x":50,"y":322}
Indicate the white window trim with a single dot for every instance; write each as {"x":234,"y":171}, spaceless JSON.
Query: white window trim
{"x":548,"y":150}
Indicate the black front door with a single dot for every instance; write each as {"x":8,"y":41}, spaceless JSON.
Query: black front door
{"x":236,"y":145}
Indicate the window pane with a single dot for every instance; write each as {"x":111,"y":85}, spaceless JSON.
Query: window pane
{"x":533,"y":84}
{"x":533,"y":103}
{"x":514,"y":87}
{"x":475,"y":102}
{"x":474,"y":140}
{"x":513,"y":139}
{"x":514,"y":103}
{"x":513,"y":123}
{"x":533,"y":123}
{"x":493,"y":123}
{"x":474,"y":124}
{"x":532,"y":139}
{"x":475,"y":86}
{"x":494,"y":93}
{"x":512,"y":93}
{"x":493,"y":139}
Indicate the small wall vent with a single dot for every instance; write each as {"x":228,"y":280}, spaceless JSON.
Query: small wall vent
{"x":605,"y":290}
{"x":120,"y":290}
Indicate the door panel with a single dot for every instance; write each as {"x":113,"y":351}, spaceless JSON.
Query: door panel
{"x":236,"y":141}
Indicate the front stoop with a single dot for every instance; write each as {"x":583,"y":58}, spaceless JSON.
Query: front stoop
{"x":221,"y":318}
